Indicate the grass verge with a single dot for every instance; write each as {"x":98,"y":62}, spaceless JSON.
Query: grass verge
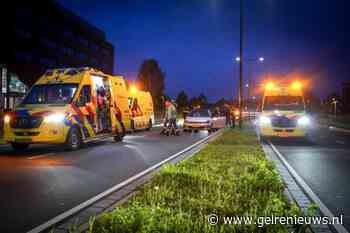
{"x":229,"y":177}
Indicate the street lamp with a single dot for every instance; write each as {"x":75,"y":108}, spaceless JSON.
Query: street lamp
{"x":334,"y":101}
{"x":241,"y":60}
{"x":249,"y":85}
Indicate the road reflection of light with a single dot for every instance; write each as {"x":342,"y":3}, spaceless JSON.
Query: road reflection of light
{"x":10,"y":161}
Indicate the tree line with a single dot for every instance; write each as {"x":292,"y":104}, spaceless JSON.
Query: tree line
{"x":152,"y":78}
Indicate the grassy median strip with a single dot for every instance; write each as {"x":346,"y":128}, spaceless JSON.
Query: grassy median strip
{"x":229,"y":177}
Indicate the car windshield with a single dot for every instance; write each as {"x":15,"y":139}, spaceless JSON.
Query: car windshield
{"x":286,"y":103}
{"x":51,"y":94}
{"x":199,"y":113}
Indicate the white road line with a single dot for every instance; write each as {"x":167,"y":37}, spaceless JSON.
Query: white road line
{"x":339,"y":129}
{"x":325,"y":211}
{"x":340,"y":142}
{"x":89,"y":202}
{"x":39,"y":156}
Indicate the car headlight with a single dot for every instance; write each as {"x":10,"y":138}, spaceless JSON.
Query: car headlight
{"x":7,"y":119}
{"x":304,"y":120}
{"x":264,"y":120}
{"x":54,"y":118}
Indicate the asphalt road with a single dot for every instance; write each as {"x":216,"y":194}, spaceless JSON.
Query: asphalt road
{"x":45,"y":181}
{"x":324,"y":164}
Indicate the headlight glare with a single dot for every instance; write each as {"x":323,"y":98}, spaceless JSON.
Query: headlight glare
{"x":54,"y":118}
{"x":264,"y":120}
{"x":7,"y":119}
{"x":304,"y":120}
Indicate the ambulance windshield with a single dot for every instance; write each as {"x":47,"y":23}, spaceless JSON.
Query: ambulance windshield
{"x":284,"y":103}
{"x":51,"y":94}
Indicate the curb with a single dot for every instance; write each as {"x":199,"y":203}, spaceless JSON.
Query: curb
{"x":78,"y":217}
{"x":343,"y":130}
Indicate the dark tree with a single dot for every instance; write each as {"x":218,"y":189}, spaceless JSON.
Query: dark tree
{"x":151,"y":78}
{"x":203,"y":100}
{"x":200,"y":101}
{"x":182,"y":100}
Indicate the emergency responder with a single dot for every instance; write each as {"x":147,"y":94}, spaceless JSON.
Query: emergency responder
{"x":170,"y":114}
{"x":227,"y":113}
{"x":233,"y":118}
{"x":101,"y":109}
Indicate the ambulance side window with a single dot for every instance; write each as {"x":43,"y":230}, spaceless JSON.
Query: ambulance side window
{"x":85,"y":95}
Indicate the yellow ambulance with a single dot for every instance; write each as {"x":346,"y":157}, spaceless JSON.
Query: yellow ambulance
{"x":283,"y":111}
{"x":141,"y":109}
{"x":70,"y":106}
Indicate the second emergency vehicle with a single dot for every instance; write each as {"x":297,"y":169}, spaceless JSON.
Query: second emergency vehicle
{"x":283,"y":111}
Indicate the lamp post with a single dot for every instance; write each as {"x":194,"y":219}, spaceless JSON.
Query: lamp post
{"x":249,"y":85}
{"x":334,"y":102}
{"x":240,"y":91}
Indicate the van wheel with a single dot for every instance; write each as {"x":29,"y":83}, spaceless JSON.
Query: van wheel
{"x":149,"y":125}
{"x":74,"y":140}
{"x":19,"y":146}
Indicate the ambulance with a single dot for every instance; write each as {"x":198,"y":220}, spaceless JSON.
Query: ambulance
{"x":141,"y":109}
{"x":70,"y":106}
{"x":283,"y":111}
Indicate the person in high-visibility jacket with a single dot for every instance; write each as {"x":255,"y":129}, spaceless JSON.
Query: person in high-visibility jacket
{"x":170,"y":114}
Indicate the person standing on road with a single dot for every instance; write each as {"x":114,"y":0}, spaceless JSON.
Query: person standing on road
{"x":170,"y":114}
{"x":227,"y":115}
{"x":233,"y":118}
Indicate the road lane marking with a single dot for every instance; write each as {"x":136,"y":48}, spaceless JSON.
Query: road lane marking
{"x":333,"y":128}
{"x":340,"y":142}
{"x":39,"y":156}
{"x":323,"y":208}
{"x":126,"y":182}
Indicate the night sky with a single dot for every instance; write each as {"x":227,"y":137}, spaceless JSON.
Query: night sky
{"x":196,"y":41}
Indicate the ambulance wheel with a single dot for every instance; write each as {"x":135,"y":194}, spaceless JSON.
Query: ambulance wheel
{"x":149,"y":125}
{"x":73,"y":141}
{"x":118,"y":137}
{"x":19,"y":146}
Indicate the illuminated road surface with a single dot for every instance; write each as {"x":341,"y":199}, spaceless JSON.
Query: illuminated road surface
{"x":46,"y":181}
{"x":324,"y":164}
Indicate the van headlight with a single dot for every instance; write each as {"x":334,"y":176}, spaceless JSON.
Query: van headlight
{"x":304,"y":121}
{"x":7,"y":119}
{"x":54,"y":118}
{"x":264,"y":120}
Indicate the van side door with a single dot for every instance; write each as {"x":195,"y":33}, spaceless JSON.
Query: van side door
{"x":86,"y":109}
